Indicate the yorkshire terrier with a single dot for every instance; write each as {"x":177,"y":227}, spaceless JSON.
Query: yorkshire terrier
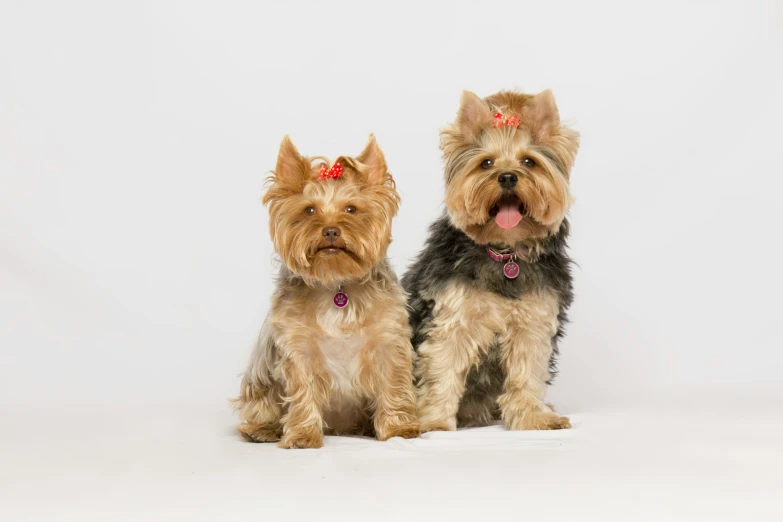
{"x":488,"y":294}
{"x":334,"y":354}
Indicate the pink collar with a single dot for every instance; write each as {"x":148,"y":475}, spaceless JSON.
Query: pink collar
{"x":505,"y":255}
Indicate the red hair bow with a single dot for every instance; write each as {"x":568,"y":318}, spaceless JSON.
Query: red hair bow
{"x":509,"y":121}
{"x":335,"y":172}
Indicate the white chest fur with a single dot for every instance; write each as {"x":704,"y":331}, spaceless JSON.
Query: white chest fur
{"x":341,"y":357}
{"x":340,"y":343}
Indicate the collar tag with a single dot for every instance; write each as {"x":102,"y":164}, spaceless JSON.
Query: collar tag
{"x":511,"y":268}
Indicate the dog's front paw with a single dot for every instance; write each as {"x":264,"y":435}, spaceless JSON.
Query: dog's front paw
{"x":302,"y":439}
{"x":438,"y":425}
{"x":538,"y":420}
{"x":406,"y":431}
{"x":258,"y":432}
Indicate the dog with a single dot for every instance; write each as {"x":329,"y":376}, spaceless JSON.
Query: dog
{"x":489,"y":292}
{"x":334,"y":355}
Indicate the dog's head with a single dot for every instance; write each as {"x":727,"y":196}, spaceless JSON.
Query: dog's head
{"x":508,"y":161}
{"x":331,"y":222}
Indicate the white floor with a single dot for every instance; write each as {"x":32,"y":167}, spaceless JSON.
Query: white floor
{"x":187,"y":464}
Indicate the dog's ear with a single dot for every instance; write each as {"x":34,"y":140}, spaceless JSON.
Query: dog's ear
{"x":541,"y":111}
{"x":371,"y":170}
{"x":373,"y":162}
{"x":473,"y":115}
{"x":292,"y":168}
{"x":369,"y":167}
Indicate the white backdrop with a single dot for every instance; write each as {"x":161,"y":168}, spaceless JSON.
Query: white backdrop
{"x":135,"y":265}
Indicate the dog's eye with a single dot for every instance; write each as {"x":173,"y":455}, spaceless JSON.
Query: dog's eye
{"x":528,"y":162}
{"x":309,"y":211}
{"x":350,"y":209}
{"x":487,"y":163}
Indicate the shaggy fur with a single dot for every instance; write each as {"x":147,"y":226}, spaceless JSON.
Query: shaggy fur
{"x":487,"y":344}
{"x":319,"y":368}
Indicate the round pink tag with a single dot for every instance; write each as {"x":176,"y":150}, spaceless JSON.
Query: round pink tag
{"x":340,"y":299}
{"x":511,"y":270}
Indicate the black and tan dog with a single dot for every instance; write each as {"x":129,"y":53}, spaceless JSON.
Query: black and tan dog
{"x":490,"y":290}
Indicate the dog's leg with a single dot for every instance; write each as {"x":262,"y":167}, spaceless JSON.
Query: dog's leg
{"x":387,"y":372}
{"x":462,"y":328}
{"x":526,"y":348}
{"x":260,"y":407}
{"x":307,"y":386}
{"x":260,"y":403}
{"x":442,"y":369}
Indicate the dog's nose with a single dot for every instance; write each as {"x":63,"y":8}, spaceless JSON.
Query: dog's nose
{"x":507,"y":180}
{"x":331,"y":234}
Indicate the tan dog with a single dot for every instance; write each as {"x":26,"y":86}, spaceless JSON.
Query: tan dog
{"x":334,"y":354}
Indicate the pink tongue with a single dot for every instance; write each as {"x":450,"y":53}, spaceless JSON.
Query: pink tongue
{"x":509,"y":216}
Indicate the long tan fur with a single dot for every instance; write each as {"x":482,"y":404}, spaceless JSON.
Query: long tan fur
{"x":317,"y":368}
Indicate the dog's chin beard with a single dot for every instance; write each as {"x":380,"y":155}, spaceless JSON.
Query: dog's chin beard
{"x":507,"y":212}
{"x":337,"y":259}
